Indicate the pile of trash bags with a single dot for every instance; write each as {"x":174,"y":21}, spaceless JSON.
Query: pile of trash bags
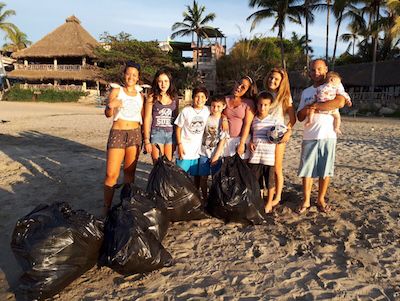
{"x":235,"y":194}
{"x":181,"y":197}
{"x":133,"y":232}
{"x":54,"y":245}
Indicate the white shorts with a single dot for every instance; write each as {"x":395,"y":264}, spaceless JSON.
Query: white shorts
{"x":231,"y":146}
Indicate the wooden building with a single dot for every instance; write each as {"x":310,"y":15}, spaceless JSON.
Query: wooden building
{"x":357,"y":81}
{"x":62,"y":60}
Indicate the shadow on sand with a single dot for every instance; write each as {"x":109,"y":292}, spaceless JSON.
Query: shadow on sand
{"x":49,"y":169}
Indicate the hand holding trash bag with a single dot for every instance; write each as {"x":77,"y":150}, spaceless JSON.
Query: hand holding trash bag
{"x":181,"y":197}
{"x":235,"y":194}
{"x":133,"y":232}
{"x":54,"y":245}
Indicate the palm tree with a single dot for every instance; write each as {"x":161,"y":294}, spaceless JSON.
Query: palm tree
{"x":280,"y":10}
{"x":328,"y":12}
{"x":309,"y":7}
{"x":193,"y":22}
{"x":342,"y":9}
{"x":301,"y":42}
{"x":17,"y":41}
{"x":4,"y":15}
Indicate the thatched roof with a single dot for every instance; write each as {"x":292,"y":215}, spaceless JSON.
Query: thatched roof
{"x":387,"y":74}
{"x":68,"y":40}
{"x":357,"y":75}
{"x":83,"y":75}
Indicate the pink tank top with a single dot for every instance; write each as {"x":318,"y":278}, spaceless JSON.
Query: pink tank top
{"x":236,"y":115}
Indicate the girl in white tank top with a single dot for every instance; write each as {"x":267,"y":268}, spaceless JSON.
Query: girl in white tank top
{"x":131,"y":109}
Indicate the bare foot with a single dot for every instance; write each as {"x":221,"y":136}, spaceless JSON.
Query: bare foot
{"x":268,"y":208}
{"x":276,"y":202}
{"x":323,"y":206}
{"x":303,"y":208}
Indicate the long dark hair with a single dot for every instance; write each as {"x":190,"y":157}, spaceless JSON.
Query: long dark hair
{"x":155,"y":89}
{"x":252,"y":92}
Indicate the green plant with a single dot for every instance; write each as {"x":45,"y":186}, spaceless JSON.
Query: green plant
{"x":18,"y":94}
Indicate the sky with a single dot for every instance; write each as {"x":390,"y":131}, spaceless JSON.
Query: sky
{"x":152,"y":19}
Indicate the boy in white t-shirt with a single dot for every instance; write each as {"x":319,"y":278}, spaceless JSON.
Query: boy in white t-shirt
{"x":213,"y":143}
{"x":190,"y":125}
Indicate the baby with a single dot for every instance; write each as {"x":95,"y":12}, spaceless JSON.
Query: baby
{"x":328,"y":91}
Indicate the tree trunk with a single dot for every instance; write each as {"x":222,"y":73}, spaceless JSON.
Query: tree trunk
{"x":328,"y":2}
{"x":375,"y":46}
{"x":354,"y":43}
{"x":197,"y":52}
{"x":282,"y":50}
{"x":307,"y":57}
{"x":336,"y":39}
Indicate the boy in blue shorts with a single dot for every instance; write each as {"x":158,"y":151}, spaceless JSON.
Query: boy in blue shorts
{"x":213,"y":143}
{"x":190,"y":125}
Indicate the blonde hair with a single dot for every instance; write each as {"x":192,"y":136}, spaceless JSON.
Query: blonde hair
{"x":283,"y":94}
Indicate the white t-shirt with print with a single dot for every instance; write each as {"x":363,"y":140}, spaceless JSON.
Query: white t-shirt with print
{"x":322,"y":125}
{"x":192,"y":122}
{"x":212,"y":136}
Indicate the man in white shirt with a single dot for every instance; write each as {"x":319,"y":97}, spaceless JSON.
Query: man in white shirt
{"x":319,"y":139}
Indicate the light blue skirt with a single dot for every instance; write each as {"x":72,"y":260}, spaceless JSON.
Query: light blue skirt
{"x":317,"y":158}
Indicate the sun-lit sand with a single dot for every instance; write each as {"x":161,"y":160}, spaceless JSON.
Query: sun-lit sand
{"x":56,"y":152}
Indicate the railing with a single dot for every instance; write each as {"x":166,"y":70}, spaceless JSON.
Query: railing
{"x":51,"y":87}
{"x":373,"y":95}
{"x":51,"y":67}
{"x":361,"y":96}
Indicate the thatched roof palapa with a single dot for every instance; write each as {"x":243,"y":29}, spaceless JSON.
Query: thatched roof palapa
{"x":68,"y":40}
{"x":83,"y":75}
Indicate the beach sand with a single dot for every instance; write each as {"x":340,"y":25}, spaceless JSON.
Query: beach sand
{"x":56,"y":152}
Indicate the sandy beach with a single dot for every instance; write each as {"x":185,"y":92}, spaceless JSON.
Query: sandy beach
{"x":56,"y":152}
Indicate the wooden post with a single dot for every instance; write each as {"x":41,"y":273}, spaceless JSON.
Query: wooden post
{"x":98,"y":88}
{"x":83,"y":62}
{"x":84,"y":86}
{"x":55,"y":64}
{"x":26,"y":63}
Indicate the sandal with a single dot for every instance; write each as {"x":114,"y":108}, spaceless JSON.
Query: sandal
{"x":324,"y":209}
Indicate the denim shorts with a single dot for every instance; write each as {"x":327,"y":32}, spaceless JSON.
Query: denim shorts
{"x":162,"y":136}
{"x":205,"y":167}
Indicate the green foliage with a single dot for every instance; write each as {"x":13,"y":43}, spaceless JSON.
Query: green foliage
{"x":122,"y":48}
{"x":18,"y":94}
{"x":255,"y":57}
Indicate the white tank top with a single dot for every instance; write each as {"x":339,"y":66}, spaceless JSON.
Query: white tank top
{"x":131,"y":109}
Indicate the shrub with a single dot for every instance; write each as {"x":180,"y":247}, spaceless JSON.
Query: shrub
{"x":18,"y":94}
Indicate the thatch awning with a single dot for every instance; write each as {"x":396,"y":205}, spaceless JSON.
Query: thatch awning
{"x":359,"y":75}
{"x":83,"y":75}
{"x":68,"y":40}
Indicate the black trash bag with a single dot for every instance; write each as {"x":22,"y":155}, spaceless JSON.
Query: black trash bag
{"x":182,"y":198}
{"x":235,"y":194}
{"x":133,"y":232}
{"x":54,"y":245}
{"x":152,"y":206}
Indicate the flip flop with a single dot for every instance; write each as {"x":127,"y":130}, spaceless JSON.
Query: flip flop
{"x":302,"y":209}
{"x":324,"y":209}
